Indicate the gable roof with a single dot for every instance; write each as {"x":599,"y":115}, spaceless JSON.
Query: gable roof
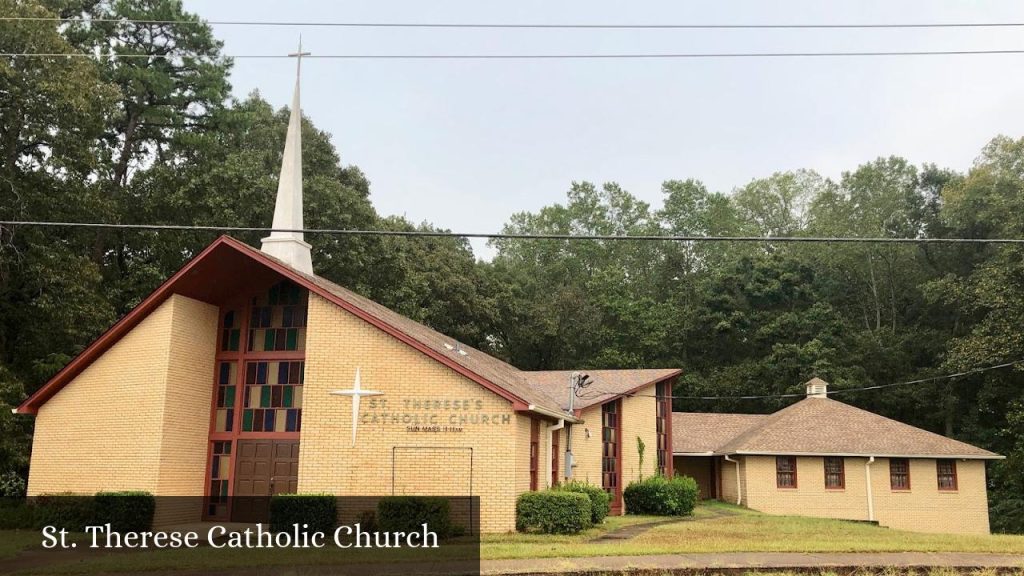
{"x":822,"y":426}
{"x":605,"y":384}
{"x":227,"y":265}
{"x":706,"y":433}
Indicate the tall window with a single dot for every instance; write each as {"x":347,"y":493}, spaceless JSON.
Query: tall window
{"x":555,"y":449}
{"x":835,"y":472}
{"x":610,"y":449}
{"x":664,"y":423}
{"x":257,"y":383}
{"x":785,"y":471}
{"x":534,"y":452}
{"x":946,"y":470}
{"x":899,"y":473}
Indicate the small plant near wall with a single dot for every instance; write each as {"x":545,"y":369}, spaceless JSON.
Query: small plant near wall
{"x":640,"y":449}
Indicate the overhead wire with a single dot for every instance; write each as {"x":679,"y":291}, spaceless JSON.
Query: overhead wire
{"x":928,"y":380}
{"x":566,"y":56}
{"x":526,"y":25}
{"x":516,"y":236}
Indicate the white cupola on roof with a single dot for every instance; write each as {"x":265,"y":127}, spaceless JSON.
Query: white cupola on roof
{"x":817,"y":388}
{"x":291,"y":247}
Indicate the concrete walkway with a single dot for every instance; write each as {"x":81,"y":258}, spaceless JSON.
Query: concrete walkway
{"x":741,"y":561}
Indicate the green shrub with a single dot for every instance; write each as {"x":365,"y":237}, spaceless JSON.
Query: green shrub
{"x":63,"y":510}
{"x":553,"y":512}
{"x":660,"y":496}
{"x":409,"y":513}
{"x":125,"y":511}
{"x":17,"y":517}
{"x":318,"y":511}
{"x":600,"y":501}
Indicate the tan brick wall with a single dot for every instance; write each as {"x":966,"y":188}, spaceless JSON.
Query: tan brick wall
{"x":338,"y":343}
{"x":638,"y":420}
{"x":923,"y":509}
{"x":729,"y":472}
{"x":186,"y":417}
{"x":136,"y":418}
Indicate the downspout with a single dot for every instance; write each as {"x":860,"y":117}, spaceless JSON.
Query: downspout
{"x":867,"y":483}
{"x":552,"y":429}
{"x":739,"y":493}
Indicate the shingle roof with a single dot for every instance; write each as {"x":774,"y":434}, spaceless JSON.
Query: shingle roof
{"x":605,"y":384}
{"x":826,"y":426}
{"x":704,"y":433}
{"x":500,"y":373}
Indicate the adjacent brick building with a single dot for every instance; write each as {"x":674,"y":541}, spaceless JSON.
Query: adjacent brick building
{"x":820,"y":457}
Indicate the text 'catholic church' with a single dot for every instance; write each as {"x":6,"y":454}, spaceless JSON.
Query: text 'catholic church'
{"x":244,"y":374}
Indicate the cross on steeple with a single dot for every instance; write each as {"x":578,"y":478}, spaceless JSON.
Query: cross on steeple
{"x":298,"y":55}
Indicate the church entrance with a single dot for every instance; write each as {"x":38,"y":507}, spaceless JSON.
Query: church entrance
{"x":256,"y":415}
{"x":263,"y":468}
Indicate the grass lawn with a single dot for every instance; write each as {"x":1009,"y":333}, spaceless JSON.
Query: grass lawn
{"x":14,"y":541}
{"x":713,"y":528}
{"x":747,"y":531}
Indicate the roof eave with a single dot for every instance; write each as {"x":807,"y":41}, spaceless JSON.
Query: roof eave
{"x":113,"y":334}
{"x":99,"y":346}
{"x":862,"y":455}
{"x":626,"y":393}
{"x":558,"y":415}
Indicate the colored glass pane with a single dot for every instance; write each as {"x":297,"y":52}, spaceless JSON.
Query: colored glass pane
{"x":229,"y":396}
{"x":292,"y":339}
{"x":287,"y":399}
{"x":247,"y":421}
{"x":292,"y":421}
{"x":282,"y":373}
{"x":275,"y":396}
{"x":268,"y":339}
{"x":264,"y":396}
{"x":268,"y":420}
{"x":235,"y":336}
{"x":261,"y":372}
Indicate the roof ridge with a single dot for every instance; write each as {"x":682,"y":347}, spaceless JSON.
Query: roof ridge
{"x":770,"y":418}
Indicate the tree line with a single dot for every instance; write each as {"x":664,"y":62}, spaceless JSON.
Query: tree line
{"x":162,"y":141}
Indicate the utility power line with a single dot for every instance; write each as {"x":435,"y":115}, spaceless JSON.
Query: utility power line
{"x":536,"y":26}
{"x":578,"y":56}
{"x":519,"y":236}
{"x":932,"y":379}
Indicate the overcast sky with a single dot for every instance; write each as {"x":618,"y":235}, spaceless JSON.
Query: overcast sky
{"x":465,"y":144}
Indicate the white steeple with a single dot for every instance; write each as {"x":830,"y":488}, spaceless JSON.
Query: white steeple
{"x":290,"y":246}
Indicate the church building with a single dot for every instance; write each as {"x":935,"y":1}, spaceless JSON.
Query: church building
{"x":245,"y":375}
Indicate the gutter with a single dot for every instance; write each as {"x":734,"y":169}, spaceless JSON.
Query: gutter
{"x":862,"y":455}
{"x":739,"y":493}
{"x":557,"y":415}
{"x":871,"y":494}
{"x":552,"y":428}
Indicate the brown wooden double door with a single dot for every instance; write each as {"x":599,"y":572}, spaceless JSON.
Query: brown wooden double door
{"x":263,"y":468}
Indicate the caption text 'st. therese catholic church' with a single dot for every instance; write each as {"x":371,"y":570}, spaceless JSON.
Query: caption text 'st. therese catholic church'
{"x":245,"y":374}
